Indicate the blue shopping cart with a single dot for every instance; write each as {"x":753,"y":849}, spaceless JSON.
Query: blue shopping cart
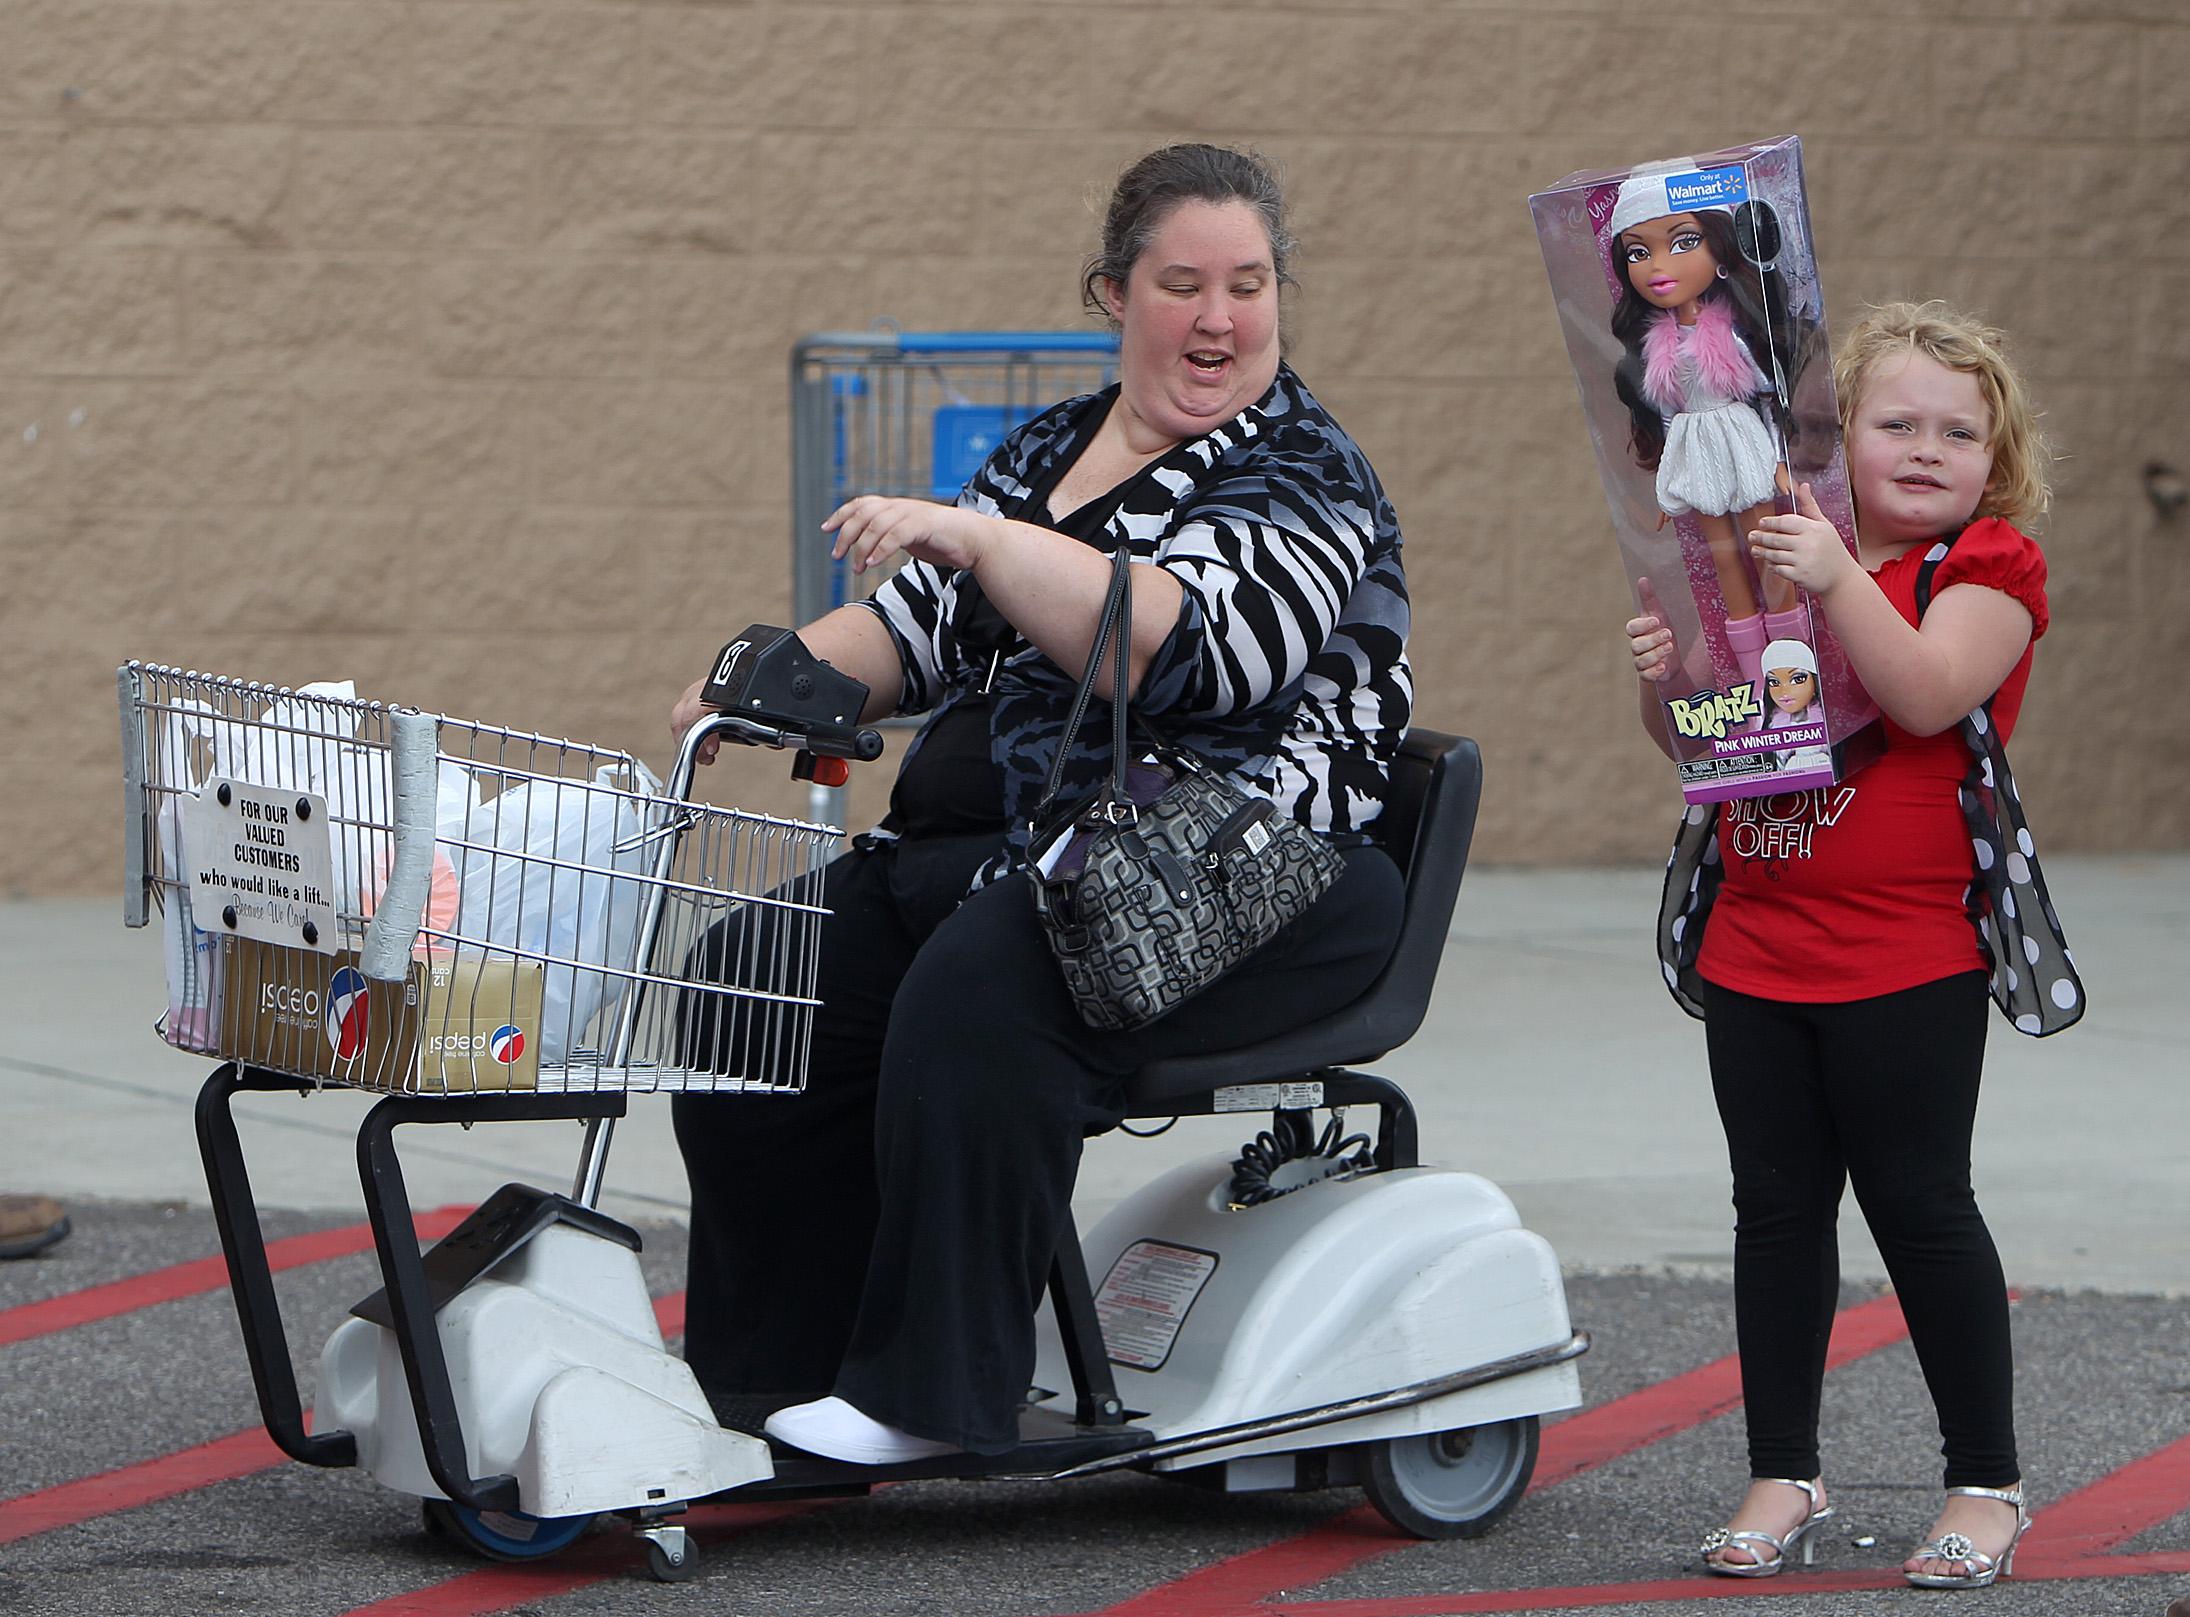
{"x":912,"y":413}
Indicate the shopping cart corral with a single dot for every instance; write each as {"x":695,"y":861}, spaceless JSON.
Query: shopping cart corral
{"x":485,"y":925}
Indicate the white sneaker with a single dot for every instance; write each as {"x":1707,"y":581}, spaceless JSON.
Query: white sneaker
{"x":835,"y":1430}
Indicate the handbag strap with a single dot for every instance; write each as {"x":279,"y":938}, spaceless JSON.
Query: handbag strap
{"x":1932,"y":559}
{"x":1112,"y":632}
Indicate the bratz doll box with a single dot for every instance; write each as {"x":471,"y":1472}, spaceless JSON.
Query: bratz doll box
{"x":1689,"y":297}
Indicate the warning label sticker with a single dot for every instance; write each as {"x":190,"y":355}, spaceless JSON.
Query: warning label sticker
{"x":1144,"y":1300}
{"x":1269,"y":1097}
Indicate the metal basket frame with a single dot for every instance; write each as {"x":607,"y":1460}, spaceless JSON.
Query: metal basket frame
{"x":475,"y":858}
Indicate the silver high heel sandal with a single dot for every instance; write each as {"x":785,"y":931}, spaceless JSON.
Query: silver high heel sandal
{"x":1756,"y":1543}
{"x":1980,"y":1569}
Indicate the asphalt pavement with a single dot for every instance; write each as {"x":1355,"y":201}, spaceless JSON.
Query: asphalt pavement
{"x":138,"y":1486}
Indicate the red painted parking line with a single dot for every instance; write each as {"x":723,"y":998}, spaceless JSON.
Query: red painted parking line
{"x":610,"y":1555}
{"x":1647,"y":1592}
{"x":72,"y":1308}
{"x":2145,"y":1564}
{"x":1658,"y":1591}
{"x":2069,"y":1543}
{"x":65,"y":1504}
{"x":1239,"y":1585}
{"x":1245,"y":1583}
{"x":2113,"y":1510}
{"x":1587,"y":1440}
{"x":2071,"y":1539}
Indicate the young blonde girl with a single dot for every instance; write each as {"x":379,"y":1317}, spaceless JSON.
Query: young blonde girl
{"x":1845,"y":988}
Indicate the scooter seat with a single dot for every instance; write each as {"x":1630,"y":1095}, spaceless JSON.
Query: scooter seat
{"x":1427,"y":825}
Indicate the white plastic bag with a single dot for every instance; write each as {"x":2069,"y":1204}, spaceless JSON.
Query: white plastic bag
{"x":524,"y":896}
{"x":303,"y":746}
{"x":306,"y":746}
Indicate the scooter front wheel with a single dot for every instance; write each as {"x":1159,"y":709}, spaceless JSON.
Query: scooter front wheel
{"x":502,"y":1535}
{"x":1451,"y":1484}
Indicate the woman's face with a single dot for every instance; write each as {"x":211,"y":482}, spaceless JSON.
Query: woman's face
{"x":1791,"y":689}
{"x":1668,"y":261}
{"x":1199,"y":312}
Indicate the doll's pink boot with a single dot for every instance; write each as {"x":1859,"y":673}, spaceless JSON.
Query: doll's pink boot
{"x":1746,"y":638}
{"x":1792,"y":624}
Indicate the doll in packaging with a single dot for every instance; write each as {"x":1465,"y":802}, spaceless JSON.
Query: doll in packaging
{"x":1697,"y":321}
{"x":1691,"y":310}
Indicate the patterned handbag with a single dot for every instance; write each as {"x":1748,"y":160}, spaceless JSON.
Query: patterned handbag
{"x":2034,"y":979}
{"x":1169,"y":875}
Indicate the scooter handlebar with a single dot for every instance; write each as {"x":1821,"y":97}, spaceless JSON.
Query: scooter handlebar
{"x":780,"y":694}
{"x":860,"y":744}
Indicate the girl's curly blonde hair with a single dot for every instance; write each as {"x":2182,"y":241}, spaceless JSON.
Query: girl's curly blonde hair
{"x":2017,"y":489}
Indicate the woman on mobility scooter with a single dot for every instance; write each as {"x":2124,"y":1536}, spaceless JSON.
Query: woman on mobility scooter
{"x":866,"y":1262}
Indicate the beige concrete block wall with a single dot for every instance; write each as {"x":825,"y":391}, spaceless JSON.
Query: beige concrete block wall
{"x":440,"y":344}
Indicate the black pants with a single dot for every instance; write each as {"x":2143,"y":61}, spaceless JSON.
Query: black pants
{"x":887,"y":1234}
{"x":1882,"y":1094}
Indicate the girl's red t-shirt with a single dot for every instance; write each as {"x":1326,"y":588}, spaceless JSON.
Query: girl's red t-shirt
{"x":1847,"y":891}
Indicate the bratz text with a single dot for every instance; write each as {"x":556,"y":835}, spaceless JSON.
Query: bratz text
{"x":1713,"y":713}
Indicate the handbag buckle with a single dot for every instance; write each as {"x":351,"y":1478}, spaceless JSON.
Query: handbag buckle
{"x":1116,"y":811}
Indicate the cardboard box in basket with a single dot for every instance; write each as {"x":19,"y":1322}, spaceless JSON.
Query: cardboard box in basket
{"x":480,"y":1024}
{"x":459,"y":1024}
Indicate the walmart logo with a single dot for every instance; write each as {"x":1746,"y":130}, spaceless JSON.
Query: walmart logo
{"x":1712,"y":188}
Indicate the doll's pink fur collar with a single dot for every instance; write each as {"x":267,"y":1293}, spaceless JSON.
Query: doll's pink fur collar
{"x":1723,"y":364}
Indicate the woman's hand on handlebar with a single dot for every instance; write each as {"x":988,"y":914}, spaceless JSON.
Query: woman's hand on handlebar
{"x":688,"y":712}
{"x":874,"y":529}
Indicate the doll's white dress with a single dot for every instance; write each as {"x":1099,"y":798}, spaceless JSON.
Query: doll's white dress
{"x":1718,"y":456}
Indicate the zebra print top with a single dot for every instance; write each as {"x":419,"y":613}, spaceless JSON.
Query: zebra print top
{"x":1287,"y":667}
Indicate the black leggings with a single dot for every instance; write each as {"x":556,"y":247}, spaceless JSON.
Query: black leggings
{"x":887,"y":1234}
{"x":1880,"y":1093}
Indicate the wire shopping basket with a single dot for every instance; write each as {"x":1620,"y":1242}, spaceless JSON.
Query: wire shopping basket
{"x":391,"y":900}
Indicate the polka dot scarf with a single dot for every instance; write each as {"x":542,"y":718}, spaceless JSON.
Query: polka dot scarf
{"x":1692,"y":877}
{"x":2034,"y":979}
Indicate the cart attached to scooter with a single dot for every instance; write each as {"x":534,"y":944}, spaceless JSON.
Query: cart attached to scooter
{"x":485,"y":925}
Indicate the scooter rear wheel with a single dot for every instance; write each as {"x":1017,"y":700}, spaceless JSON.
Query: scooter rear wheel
{"x":1451,"y":1484}
{"x":502,"y":1535}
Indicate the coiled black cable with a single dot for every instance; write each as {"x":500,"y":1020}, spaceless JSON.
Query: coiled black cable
{"x":1255,"y":1170}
